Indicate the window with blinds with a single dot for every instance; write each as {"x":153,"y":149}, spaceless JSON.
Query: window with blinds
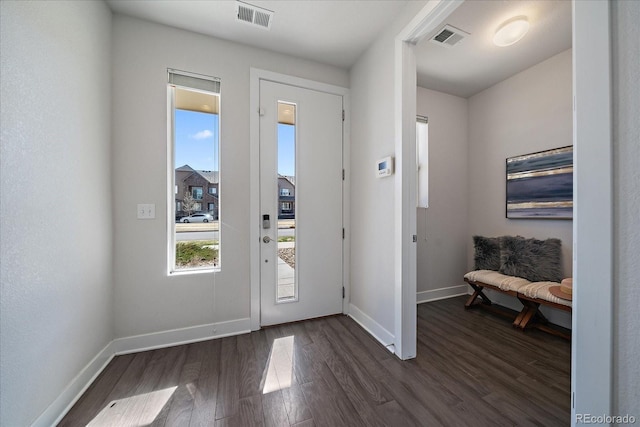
{"x":193,"y":172}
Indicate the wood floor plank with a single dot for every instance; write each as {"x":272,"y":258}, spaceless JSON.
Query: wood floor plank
{"x":211,"y":363}
{"x":440,"y":401}
{"x":530,"y":414}
{"x":392,"y":414}
{"x":298,"y":331}
{"x":181,"y":404}
{"x":307,"y":363}
{"x":351,"y":345}
{"x":124,"y":389}
{"x":262,"y":352}
{"x":250,"y":372}
{"x":96,"y":397}
{"x":206,"y":386}
{"x":472,"y":368}
{"x":153,"y":395}
{"x":363,"y":372}
{"x":204,"y":402}
{"x":249,"y":414}
{"x":325,"y":407}
{"x":411,"y":404}
{"x":274,"y":410}
{"x":368,"y":343}
{"x":296,"y":405}
{"x":469,"y":389}
{"x":228,"y":392}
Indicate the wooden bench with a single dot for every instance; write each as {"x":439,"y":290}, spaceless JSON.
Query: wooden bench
{"x":531,"y":294}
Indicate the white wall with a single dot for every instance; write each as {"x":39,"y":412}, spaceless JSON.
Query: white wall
{"x":55,"y":211}
{"x":146,"y":299}
{"x":373,"y":199}
{"x":529,"y":112}
{"x":442,"y":227}
{"x":626,"y":158}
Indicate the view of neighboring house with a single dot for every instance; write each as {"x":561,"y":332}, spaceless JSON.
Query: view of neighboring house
{"x":203,"y":186}
{"x":286,"y":197}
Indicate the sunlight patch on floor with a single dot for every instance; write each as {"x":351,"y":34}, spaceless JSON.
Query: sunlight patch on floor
{"x":140,"y":410}
{"x":278,"y":373}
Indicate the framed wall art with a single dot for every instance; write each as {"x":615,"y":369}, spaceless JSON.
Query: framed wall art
{"x":540,"y":185}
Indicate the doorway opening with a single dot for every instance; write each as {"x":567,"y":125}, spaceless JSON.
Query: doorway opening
{"x":591,"y":382}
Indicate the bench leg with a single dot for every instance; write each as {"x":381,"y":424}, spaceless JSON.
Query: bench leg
{"x":530,"y":311}
{"x":477,"y":293}
{"x":520,"y":316}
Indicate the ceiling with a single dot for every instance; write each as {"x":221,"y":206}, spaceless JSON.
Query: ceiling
{"x":334,"y":32}
{"x":476,"y":63}
{"x":337,"y":32}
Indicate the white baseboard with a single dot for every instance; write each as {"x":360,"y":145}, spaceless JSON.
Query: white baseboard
{"x":441,"y":293}
{"x":376,"y":330}
{"x":70,"y":395}
{"x":180,"y":336}
{"x":65,"y":401}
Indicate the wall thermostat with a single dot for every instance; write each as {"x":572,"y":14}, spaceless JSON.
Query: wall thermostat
{"x":384,"y":167}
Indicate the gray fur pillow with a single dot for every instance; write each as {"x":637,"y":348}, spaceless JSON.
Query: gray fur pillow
{"x":487,"y":253}
{"x":531,"y":259}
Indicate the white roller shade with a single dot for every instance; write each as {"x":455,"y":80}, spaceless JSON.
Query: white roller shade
{"x":194,"y":81}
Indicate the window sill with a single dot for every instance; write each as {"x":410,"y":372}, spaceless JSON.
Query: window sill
{"x":194,"y":271}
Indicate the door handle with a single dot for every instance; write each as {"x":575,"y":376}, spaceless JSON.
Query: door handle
{"x":266,"y":239}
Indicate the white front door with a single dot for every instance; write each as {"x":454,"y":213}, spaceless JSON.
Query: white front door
{"x":301,"y":180}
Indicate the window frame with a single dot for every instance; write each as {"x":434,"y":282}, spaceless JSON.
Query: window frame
{"x":171,"y":167}
{"x":193,"y":192}
{"x":422,"y":162}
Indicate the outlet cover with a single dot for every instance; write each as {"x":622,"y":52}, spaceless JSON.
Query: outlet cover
{"x":146,"y":211}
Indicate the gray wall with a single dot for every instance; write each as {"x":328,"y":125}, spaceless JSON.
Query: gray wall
{"x":55,"y":192}
{"x":147,"y":300}
{"x":529,"y":112}
{"x":626,"y":159}
{"x":443,"y":236}
{"x":373,"y":199}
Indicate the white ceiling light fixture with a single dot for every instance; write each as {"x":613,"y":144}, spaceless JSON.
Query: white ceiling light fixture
{"x":511,"y":31}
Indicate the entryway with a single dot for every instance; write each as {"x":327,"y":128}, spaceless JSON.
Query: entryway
{"x":301,"y":202}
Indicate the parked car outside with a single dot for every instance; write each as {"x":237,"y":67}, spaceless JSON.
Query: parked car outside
{"x":198,"y":217}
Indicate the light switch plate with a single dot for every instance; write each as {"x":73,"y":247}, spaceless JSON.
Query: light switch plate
{"x":146,"y":211}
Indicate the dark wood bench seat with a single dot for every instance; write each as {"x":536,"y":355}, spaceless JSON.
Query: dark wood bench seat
{"x":531,"y":294}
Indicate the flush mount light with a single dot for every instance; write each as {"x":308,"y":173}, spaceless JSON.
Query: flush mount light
{"x":511,"y":31}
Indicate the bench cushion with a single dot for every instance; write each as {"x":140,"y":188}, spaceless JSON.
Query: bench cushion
{"x":540,"y":290}
{"x":535,"y":260}
{"x":499,"y":280}
{"x":486,"y":253}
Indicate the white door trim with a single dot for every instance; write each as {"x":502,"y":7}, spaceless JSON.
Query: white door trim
{"x":256,"y":75}
{"x":591,"y":367}
{"x":592,"y":342}
{"x":405,"y":306}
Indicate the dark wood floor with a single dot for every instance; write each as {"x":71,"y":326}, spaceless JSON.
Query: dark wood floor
{"x":472,"y":369}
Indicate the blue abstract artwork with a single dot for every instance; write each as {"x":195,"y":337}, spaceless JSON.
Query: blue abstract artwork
{"x":540,"y":185}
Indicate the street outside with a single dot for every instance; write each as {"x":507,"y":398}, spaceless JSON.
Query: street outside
{"x":199,"y":232}
{"x":210,"y":230}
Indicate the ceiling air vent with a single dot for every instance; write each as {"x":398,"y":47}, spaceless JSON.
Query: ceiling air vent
{"x":449,"y":36}
{"x":254,"y":15}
